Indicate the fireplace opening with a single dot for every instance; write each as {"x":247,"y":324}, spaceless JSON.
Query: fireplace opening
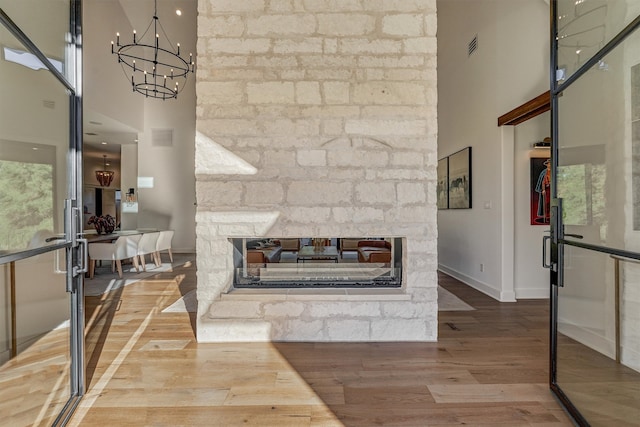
{"x":311,"y":262}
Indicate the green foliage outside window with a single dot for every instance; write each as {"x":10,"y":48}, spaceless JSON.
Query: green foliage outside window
{"x":26,"y":202}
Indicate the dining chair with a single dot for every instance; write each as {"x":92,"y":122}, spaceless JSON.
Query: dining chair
{"x":164,"y":244}
{"x":124,"y":247}
{"x":147,"y":245}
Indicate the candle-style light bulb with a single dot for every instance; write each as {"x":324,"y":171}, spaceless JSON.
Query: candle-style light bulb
{"x":134,"y":36}
{"x":134,"y":65}
{"x":111,"y":46}
{"x":178,"y":48}
{"x":172,"y":74}
{"x":118,"y":38}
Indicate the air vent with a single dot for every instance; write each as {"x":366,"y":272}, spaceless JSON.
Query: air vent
{"x":162,"y":137}
{"x":473,"y":45}
{"x":49,"y":104}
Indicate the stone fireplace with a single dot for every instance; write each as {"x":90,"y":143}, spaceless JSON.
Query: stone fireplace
{"x":316,"y":118}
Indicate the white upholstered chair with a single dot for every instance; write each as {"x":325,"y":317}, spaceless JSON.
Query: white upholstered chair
{"x":147,"y":245}
{"x":164,"y":244}
{"x":123,"y":248}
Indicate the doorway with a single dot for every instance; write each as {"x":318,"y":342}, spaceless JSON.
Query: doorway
{"x":595,"y":250}
{"x":42,"y":254}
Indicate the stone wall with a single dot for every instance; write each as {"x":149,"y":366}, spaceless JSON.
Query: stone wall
{"x":316,"y":118}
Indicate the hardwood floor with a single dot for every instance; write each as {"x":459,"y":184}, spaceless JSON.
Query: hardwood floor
{"x":489,"y":368}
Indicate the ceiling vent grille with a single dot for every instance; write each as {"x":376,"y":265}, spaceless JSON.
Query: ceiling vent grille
{"x":162,"y":137}
{"x":473,"y":45}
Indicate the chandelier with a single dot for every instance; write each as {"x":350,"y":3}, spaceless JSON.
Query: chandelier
{"x":160,"y":72}
{"x":104,"y":177}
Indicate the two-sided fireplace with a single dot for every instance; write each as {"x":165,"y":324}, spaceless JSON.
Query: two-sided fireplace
{"x":317,"y":262}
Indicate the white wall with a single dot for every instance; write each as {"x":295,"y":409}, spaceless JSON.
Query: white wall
{"x":531,"y":280}
{"x":171,"y":203}
{"x":509,"y":68}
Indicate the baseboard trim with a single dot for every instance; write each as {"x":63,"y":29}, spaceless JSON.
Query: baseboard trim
{"x":532,"y":293}
{"x":476,"y":284}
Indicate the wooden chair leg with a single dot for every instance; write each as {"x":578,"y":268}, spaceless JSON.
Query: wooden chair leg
{"x":156,"y":259}
{"x":113,"y":266}
{"x":136,"y":264}
{"x":119,"y":267}
{"x":92,"y":268}
{"x":170,"y":255}
{"x":143,"y":262}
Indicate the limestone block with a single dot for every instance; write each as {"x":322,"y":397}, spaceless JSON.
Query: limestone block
{"x":332,"y":5}
{"x":330,"y":45}
{"x":308,"y":93}
{"x":357,"y":215}
{"x":311,"y":193}
{"x":312,"y":157}
{"x":280,"y":158}
{"x":281,"y":24}
{"x":373,"y":193}
{"x":239,"y":46}
{"x":406,"y":61}
{"x":336,"y":92}
{"x":421,"y":45}
{"x":393,"y":93}
{"x":227,"y":26}
{"x":399,"y":330}
{"x":218,"y":193}
{"x":315,"y":215}
{"x":333,"y":127}
{"x":283,"y":309}
{"x":431,"y":24}
{"x":271,"y":93}
{"x":328,"y":61}
{"x":220,"y":6}
{"x":263,"y":193}
{"x":410,"y":193}
{"x":236,"y":309}
{"x":280,"y":6}
{"x":275,"y":61}
{"x":291,"y":127}
{"x":301,"y":330}
{"x":386,"y":127}
{"x":345,"y":24}
{"x":344,"y":309}
{"x":410,"y":214}
{"x":401,"y":174}
{"x":339,"y":74}
{"x":407,"y":158}
{"x":423,"y":6}
{"x":359,"y":158}
{"x":346,"y":174}
{"x":234,"y":330}
{"x":406,"y":310}
{"x":214,"y":159}
{"x":221,"y":92}
{"x":293,"y":75}
{"x":226,"y":127}
{"x":376,"y":46}
{"x":308,"y":45}
{"x":425,"y":295}
{"x":261,"y":221}
{"x":403,"y":25}
{"x":348,"y":330}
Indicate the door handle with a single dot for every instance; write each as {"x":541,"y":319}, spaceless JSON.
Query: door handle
{"x":545,"y":240}
{"x":83,"y":247}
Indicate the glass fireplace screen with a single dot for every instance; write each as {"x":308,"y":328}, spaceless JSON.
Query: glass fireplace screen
{"x":317,"y":262}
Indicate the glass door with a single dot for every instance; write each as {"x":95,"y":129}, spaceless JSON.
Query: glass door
{"x":595,"y":337}
{"x":42,"y":258}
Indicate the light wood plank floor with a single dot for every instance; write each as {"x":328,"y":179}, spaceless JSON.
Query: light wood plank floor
{"x":489,"y":368}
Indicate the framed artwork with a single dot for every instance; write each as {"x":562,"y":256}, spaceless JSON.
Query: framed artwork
{"x":460,"y":179}
{"x":442,"y":189}
{"x":540,"y":191}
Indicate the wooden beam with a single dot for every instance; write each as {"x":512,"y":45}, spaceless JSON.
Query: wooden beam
{"x":526,"y":111}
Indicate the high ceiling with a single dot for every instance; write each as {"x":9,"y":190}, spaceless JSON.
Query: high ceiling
{"x":99,"y":128}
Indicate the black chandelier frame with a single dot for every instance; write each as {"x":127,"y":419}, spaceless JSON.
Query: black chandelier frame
{"x":157,"y":66}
